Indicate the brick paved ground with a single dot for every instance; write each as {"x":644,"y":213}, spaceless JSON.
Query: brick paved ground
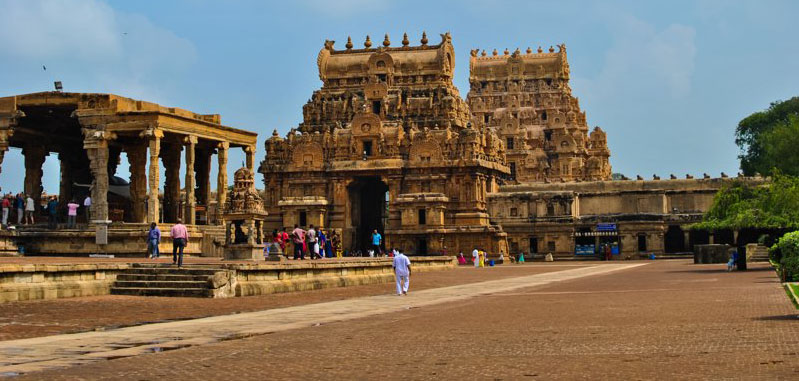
{"x":666,"y":320}
{"x":49,"y":317}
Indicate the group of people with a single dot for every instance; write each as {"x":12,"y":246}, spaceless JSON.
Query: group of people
{"x":180,"y":238}
{"x":313,"y":241}
{"x":24,"y":206}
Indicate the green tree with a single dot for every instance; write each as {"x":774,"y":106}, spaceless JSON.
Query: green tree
{"x":742,"y":204}
{"x":756,"y":137}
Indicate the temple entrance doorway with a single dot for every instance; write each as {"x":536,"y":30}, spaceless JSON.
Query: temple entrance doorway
{"x":369,"y":204}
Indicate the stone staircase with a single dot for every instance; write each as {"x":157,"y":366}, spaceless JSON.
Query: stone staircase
{"x":165,"y":280}
{"x":756,"y":253}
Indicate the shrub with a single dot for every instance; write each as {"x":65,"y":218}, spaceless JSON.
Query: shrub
{"x":788,"y":247}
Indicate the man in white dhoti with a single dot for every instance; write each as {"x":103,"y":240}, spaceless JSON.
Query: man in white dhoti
{"x":476,"y":257}
{"x":402,"y":271}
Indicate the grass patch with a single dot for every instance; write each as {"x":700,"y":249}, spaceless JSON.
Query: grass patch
{"x":792,"y":289}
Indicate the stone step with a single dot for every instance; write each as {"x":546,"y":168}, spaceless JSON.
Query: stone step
{"x":161,"y":284}
{"x":129,"y":276}
{"x":174,"y":271}
{"x":169,"y":292}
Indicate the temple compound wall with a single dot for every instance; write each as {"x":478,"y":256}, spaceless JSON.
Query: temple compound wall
{"x":635,"y":217}
{"x":387,"y":143}
{"x":526,"y":99}
{"x":89,"y":132}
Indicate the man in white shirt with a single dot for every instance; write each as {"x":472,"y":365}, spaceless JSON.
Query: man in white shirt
{"x":313,"y":245}
{"x":476,"y":257}
{"x":402,"y":271}
{"x":87,"y":205}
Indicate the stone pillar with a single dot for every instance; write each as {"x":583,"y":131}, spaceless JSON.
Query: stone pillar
{"x":137,"y":159}
{"x":153,"y":207}
{"x":191,"y":201}
{"x":34,"y":159}
{"x":96,"y":146}
{"x":171,"y":157}
{"x":202,"y":167}
{"x":221,"y":183}
{"x":687,"y":246}
{"x":5,"y":135}
{"x":249,"y":151}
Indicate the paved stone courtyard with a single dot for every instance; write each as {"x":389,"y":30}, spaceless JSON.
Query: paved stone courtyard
{"x":662,"y":319}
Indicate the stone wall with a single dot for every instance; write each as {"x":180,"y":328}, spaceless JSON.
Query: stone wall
{"x":51,"y":281}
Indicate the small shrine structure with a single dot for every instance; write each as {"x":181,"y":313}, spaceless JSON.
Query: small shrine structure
{"x":244,"y":215}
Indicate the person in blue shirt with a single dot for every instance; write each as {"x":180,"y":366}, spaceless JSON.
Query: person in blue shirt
{"x":153,"y":239}
{"x":376,"y":240}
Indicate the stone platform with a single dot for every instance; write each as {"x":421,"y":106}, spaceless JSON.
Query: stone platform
{"x":31,"y":281}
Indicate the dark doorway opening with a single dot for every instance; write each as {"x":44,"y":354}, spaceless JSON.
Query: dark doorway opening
{"x":368,"y":201}
{"x":376,"y":105}
{"x":421,"y":247}
{"x":533,"y":245}
{"x":699,"y":237}
{"x":675,"y":239}
{"x":641,"y":242}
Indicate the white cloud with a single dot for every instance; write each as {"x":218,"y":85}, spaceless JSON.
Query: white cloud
{"x":643,"y":59}
{"x":91,"y":46}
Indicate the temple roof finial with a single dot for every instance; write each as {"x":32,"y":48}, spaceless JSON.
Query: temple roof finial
{"x":551,"y":49}
{"x":539,"y":49}
{"x":424,"y":38}
{"x":349,"y":43}
{"x":368,"y":43}
{"x":386,"y":41}
{"x":494,"y":52}
{"x":529,"y":51}
{"x":405,"y":41}
{"x":506,"y":52}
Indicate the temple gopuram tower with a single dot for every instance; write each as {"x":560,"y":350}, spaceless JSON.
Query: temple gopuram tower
{"x":526,"y":99}
{"x":387,"y":144}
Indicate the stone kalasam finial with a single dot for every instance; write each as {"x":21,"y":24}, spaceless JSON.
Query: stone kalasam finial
{"x":724,"y":175}
{"x":349,"y":43}
{"x":494,"y":52}
{"x":368,"y":43}
{"x":386,"y":41}
{"x":405,"y":41}
{"x":638,"y":177}
{"x":529,"y":51}
{"x":506,"y":52}
{"x":424,"y":38}
{"x":655,"y":177}
{"x":672,"y":177}
{"x":688,"y":176}
{"x":539,"y":49}
{"x":551,"y":49}
{"x":517,"y":52}
{"x":705,"y":176}
{"x":483,"y":53}
{"x":274,"y":133}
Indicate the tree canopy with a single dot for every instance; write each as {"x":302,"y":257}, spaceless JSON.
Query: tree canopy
{"x":741,"y":204}
{"x":768,"y":139}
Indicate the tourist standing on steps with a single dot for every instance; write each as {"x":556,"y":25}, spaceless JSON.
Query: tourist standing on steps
{"x":180,"y":237}
{"x":402,"y":272}
{"x":6,"y":207}
{"x":87,"y":206}
{"x":313,"y":245}
{"x":30,"y":207}
{"x":298,"y":238}
{"x":19,"y":203}
{"x":72,"y":214}
{"x":153,"y":239}
{"x":377,"y":239}
{"x":52,"y":212}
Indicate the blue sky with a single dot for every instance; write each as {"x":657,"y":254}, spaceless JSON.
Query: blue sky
{"x":667,"y":80}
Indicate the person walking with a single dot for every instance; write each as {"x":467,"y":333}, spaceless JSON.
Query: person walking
{"x":377,"y":239}
{"x":153,"y":239}
{"x":52,"y":213}
{"x":322,"y":243}
{"x":72,"y":214}
{"x":6,"y":203}
{"x":298,"y":239}
{"x":30,"y":207}
{"x":476,"y":257}
{"x":180,"y":237}
{"x":19,"y":204}
{"x":402,"y":272}
{"x":87,"y":207}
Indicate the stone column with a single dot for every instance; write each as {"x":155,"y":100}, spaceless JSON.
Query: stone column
{"x":191,"y":201}
{"x":249,"y":151}
{"x":137,"y":159}
{"x":96,"y":146}
{"x":171,"y":157}
{"x":5,"y":135}
{"x":34,"y":158}
{"x":221,"y":183}
{"x":153,"y":207}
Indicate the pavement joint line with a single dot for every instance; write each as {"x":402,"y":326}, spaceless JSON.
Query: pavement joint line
{"x":59,"y":351}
